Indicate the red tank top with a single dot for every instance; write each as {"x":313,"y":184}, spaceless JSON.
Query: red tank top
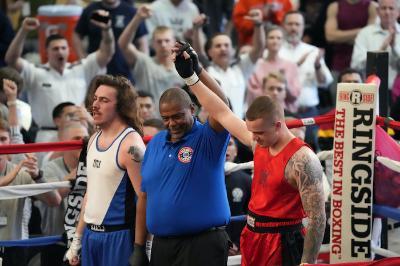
{"x":271,"y":194}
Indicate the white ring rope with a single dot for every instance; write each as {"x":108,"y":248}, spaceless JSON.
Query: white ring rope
{"x":384,"y":252}
{"x":230,"y":167}
{"x":389,"y":163}
{"x":21,"y":191}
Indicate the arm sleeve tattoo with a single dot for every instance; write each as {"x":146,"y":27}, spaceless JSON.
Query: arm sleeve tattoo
{"x":305,"y":168}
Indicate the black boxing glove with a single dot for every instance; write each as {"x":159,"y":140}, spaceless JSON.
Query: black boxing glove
{"x":193,"y":55}
{"x":195,"y":59}
{"x":184,"y":67}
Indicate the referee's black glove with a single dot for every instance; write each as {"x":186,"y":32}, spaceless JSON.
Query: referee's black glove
{"x":184,"y":66}
{"x":139,"y":256}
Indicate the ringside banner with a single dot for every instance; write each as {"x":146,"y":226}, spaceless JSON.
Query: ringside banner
{"x":353,"y":170}
{"x":75,"y":197}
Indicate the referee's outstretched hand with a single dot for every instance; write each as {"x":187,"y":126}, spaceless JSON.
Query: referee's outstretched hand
{"x":139,"y":256}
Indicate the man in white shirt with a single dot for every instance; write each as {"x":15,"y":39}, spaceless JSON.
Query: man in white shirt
{"x":313,"y":71}
{"x":57,"y":81}
{"x":383,"y":36}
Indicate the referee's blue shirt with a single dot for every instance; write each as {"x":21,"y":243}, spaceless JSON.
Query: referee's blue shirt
{"x":185,"y":182}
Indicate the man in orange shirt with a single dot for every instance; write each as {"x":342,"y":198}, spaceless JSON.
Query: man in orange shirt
{"x":273,"y":12}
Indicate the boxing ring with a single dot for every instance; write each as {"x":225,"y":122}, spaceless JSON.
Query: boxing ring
{"x":34,"y":189}
{"x":389,"y":211}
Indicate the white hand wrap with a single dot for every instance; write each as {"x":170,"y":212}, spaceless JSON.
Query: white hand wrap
{"x":193,"y":79}
{"x":75,"y":248}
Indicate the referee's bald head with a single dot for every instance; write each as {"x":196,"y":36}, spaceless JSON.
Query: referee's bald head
{"x":176,"y":96}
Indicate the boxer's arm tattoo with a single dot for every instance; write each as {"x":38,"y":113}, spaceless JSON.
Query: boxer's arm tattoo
{"x":306,"y":169}
{"x":137,"y":153}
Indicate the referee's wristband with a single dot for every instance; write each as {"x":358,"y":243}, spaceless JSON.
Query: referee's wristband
{"x":193,"y":79}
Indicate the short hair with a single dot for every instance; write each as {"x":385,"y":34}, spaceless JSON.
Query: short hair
{"x":293,"y":12}
{"x":58,"y":110}
{"x":162,"y":29}
{"x":154,"y":122}
{"x":272,"y":27}
{"x":54,"y":37}
{"x":397,"y":2}
{"x":209,"y":42}
{"x":144,"y":94}
{"x":347,"y":71}
{"x":176,"y":96}
{"x":71,"y":125}
{"x":275,"y":75}
{"x":11,"y":74}
{"x":264,"y":107}
{"x":126,"y":97}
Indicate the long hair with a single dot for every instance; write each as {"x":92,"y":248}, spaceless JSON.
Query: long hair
{"x":126,"y":99}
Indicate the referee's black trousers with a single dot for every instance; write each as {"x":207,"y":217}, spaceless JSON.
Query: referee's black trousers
{"x":206,"y":248}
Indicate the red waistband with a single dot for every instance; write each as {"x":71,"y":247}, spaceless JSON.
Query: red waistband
{"x":255,"y":220}
{"x":273,"y":227}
